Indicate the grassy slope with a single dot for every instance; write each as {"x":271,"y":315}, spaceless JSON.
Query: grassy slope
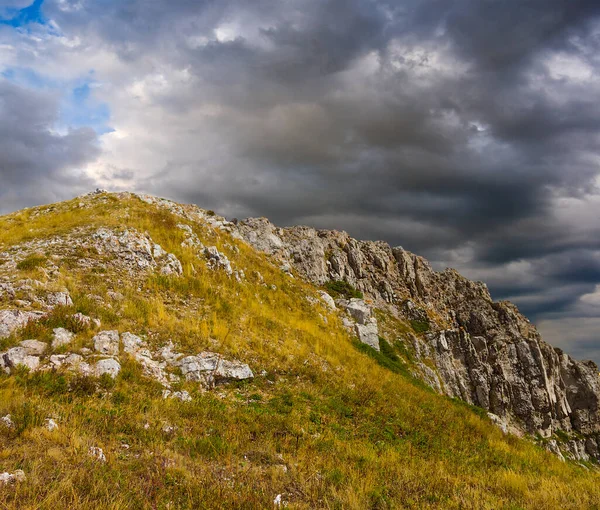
{"x":327,"y":427}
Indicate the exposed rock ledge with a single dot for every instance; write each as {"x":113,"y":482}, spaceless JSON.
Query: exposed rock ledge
{"x":485,"y":353}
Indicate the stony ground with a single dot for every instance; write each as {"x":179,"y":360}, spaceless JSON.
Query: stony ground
{"x":152,"y":358}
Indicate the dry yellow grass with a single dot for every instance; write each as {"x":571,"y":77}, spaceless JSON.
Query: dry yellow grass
{"x":327,"y":427}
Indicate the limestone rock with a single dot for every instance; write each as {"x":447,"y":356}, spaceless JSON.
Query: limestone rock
{"x":51,"y":425}
{"x":328,"y":300}
{"x":6,"y":421}
{"x":107,"y":342}
{"x":358,"y":309}
{"x":18,"y":356}
{"x":108,"y":366}
{"x":11,"y":320}
{"x":86,"y":321}
{"x":368,"y":334}
{"x":97,"y":453}
{"x":34,"y":347}
{"x":10,"y":478}
{"x":58,"y":299}
{"x":60,"y":337}
{"x":210,"y":369}
{"x":216,"y":259}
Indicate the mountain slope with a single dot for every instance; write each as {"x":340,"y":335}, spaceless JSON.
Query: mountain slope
{"x":273,"y":400}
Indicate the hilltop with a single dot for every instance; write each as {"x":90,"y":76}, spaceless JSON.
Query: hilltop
{"x":157,"y":355}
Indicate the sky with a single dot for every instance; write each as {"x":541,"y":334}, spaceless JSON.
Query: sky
{"x":467,"y":131}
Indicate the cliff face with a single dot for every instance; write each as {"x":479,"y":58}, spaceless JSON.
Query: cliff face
{"x":484,"y":352}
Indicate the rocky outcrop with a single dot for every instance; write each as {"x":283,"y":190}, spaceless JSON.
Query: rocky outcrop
{"x":207,"y":368}
{"x":485,"y":353}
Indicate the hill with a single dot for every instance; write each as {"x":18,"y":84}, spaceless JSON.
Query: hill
{"x":156,"y":355}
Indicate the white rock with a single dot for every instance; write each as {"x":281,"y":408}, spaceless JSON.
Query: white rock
{"x":14,"y":319}
{"x":211,"y":368}
{"x":18,"y":356}
{"x":327,"y":299}
{"x":34,"y":347}
{"x":108,"y":366}
{"x":7,"y":422}
{"x":51,"y":425}
{"x":132,"y":343}
{"x":107,"y":342}
{"x":86,"y":321}
{"x":368,"y":334}
{"x":358,"y":309}
{"x":60,"y":337}
{"x":97,"y":453}
{"x":184,"y":396}
{"x":65,"y":360}
{"x":8,"y":478}
{"x":58,"y":299}
{"x":171,"y":265}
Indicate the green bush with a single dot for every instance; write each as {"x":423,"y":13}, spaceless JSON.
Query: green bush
{"x":420,"y":325}
{"x":31,"y":262}
{"x":340,"y":288}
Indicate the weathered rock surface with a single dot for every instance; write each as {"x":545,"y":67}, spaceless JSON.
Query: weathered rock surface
{"x":108,"y":366}
{"x":210,"y":369}
{"x":13,"y":319}
{"x":18,"y":356}
{"x":61,"y":336}
{"x":484,"y":352}
{"x":107,"y":342}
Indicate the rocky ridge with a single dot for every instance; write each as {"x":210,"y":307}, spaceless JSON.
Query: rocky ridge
{"x":483,"y":352}
{"x":461,"y":343}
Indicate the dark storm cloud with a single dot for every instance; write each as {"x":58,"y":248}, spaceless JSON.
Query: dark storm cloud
{"x":36,"y":164}
{"x":466,"y":130}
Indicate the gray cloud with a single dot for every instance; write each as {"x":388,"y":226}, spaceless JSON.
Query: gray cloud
{"x":38,"y":165}
{"x":466,"y":131}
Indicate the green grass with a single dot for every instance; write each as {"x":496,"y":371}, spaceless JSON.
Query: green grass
{"x":333,"y":424}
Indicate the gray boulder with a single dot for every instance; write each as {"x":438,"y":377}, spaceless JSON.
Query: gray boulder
{"x":18,"y":356}
{"x":107,"y":342}
{"x":61,"y":336}
{"x":108,"y":366}
{"x":34,"y":347}
{"x":368,"y":333}
{"x":11,"y":320}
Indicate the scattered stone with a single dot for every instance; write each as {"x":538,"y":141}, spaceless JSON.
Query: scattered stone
{"x":108,"y":366}
{"x":210,"y":369}
{"x":184,"y":396}
{"x":171,"y":265}
{"x":86,"y":321}
{"x":14,"y":319}
{"x":7,"y":422}
{"x":107,"y":342}
{"x":217,"y":259}
{"x":10,"y":478}
{"x":51,"y":425}
{"x":34,"y":347}
{"x":168,"y":429}
{"x":97,"y":453}
{"x":18,"y":356}
{"x":327,"y":299}
{"x":58,"y":299}
{"x":60,"y":337}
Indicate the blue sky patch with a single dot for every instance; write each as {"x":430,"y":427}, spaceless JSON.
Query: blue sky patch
{"x":25,"y":16}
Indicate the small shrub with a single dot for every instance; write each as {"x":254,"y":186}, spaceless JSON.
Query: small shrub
{"x":83,"y":385}
{"x":31,"y":262}
{"x":420,"y":325}
{"x":340,"y":288}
